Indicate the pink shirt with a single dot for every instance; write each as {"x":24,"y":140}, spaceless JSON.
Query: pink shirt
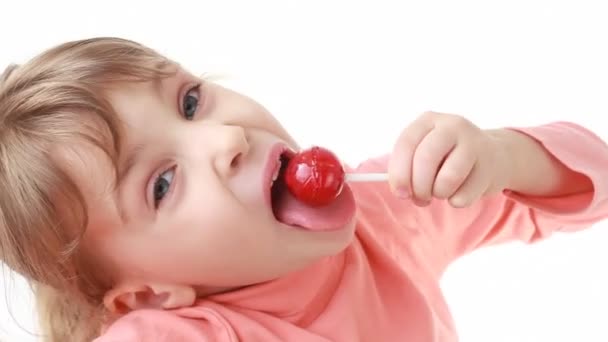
{"x":385,"y":285}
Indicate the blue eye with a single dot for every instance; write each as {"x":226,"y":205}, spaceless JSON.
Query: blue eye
{"x":162,"y":185}
{"x":190,"y":102}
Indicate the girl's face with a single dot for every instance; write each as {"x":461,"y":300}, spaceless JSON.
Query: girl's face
{"x":193,"y":202}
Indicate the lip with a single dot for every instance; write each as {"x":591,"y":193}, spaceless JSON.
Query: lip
{"x":271,"y":166}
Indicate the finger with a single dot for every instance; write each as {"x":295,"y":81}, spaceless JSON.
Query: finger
{"x":400,"y":163}
{"x":428,"y":157}
{"x":471,"y":190}
{"x":454,"y":171}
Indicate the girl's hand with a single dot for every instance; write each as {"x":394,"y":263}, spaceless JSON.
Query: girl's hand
{"x":447,"y":157}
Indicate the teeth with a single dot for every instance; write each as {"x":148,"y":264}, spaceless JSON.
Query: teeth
{"x":276,"y":173}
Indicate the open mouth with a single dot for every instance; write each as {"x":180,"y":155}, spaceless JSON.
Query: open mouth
{"x":278,"y":188}
{"x":290,"y":211}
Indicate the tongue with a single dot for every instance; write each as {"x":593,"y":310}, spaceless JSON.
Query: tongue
{"x":330,"y":217}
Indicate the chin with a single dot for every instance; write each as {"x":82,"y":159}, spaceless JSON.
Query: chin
{"x":347,"y":235}
{"x":334,"y":242}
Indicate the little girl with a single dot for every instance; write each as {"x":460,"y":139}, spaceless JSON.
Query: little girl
{"x":139,"y":201}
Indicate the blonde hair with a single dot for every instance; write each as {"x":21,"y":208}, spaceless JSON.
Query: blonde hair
{"x":46,"y":104}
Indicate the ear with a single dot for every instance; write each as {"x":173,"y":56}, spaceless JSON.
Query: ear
{"x":129,"y":297}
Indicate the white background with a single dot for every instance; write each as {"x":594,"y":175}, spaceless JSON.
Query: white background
{"x":350,"y":75}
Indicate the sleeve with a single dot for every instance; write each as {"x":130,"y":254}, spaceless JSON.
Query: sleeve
{"x":163,"y":326}
{"x":452,"y":232}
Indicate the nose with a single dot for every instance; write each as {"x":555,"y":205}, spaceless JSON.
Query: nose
{"x":231,"y":146}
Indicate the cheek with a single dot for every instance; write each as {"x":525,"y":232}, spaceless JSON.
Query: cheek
{"x":194,"y":248}
{"x":256,"y":116}
{"x":268,"y":123}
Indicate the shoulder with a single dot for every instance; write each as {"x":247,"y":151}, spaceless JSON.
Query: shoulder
{"x":192,"y":324}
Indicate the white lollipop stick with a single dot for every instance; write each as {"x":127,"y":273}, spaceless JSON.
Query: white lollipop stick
{"x":366,"y":177}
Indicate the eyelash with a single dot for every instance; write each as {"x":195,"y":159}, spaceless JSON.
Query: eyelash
{"x":196,"y":90}
{"x":158,"y":202}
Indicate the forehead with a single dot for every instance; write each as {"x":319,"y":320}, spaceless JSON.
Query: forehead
{"x":140,"y":107}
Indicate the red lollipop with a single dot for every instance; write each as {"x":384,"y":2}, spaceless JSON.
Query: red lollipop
{"x":315,"y":176}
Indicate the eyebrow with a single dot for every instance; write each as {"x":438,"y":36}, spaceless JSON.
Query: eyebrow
{"x":131,"y":158}
{"x":124,"y":168}
{"x":134,"y":151}
{"x":129,"y":162}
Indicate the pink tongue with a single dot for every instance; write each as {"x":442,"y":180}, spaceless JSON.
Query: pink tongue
{"x":332,"y":216}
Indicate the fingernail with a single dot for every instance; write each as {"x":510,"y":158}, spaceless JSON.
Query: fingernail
{"x":403,"y":192}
